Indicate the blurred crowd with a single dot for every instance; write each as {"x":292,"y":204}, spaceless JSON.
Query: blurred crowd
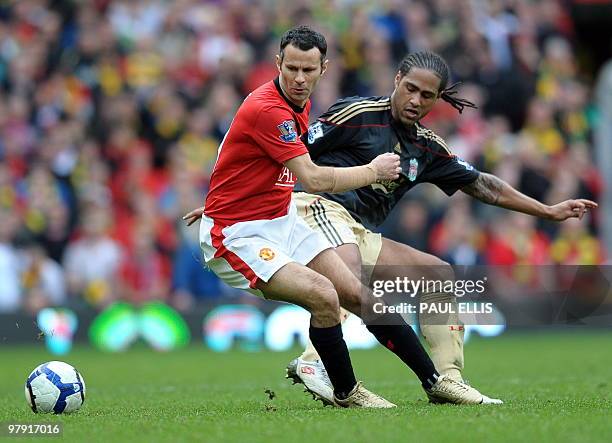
{"x":111,"y":112}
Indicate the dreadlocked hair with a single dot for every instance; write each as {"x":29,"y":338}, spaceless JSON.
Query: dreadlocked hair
{"x":436,"y":64}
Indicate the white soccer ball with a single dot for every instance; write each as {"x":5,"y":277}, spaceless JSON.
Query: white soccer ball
{"x":55,"y":387}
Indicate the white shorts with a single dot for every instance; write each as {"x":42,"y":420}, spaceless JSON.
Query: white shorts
{"x":243,"y":253}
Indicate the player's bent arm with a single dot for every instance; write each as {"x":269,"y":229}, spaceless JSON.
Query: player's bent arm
{"x":494,"y":191}
{"x":327,"y":179}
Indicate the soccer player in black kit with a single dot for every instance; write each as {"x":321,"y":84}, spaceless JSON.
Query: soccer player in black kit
{"x":353,"y":132}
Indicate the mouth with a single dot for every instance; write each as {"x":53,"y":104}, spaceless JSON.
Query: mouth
{"x":411,"y":113}
{"x":298,"y":91}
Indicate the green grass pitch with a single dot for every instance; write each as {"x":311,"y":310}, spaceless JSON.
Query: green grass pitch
{"x":557,"y":388}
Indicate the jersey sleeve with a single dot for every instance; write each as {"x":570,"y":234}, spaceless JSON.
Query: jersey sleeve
{"x":450,"y":173}
{"x":274,"y":131}
{"x":324,"y":135}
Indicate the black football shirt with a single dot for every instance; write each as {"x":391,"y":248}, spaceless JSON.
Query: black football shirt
{"x":357,"y":129}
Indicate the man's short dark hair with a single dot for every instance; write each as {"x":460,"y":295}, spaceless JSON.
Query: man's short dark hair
{"x":304,"y":38}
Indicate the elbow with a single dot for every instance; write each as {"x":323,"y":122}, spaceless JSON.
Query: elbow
{"x":308,"y":187}
{"x":313,"y":186}
{"x":315,"y":183}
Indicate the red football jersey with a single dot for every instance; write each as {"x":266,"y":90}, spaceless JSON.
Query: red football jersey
{"x":249,"y":181}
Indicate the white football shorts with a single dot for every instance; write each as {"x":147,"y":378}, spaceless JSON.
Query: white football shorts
{"x":244,"y":252}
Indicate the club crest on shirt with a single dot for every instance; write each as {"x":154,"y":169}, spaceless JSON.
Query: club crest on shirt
{"x":288,"y":132}
{"x":266,"y":254}
{"x":413,"y":169}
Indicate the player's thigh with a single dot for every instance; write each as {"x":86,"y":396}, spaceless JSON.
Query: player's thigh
{"x":335,"y":223}
{"x":349,"y":254}
{"x":302,"y":286}
{"x":347,"y":285}
{"x":397,"y":258}
{"x":325,"y":216}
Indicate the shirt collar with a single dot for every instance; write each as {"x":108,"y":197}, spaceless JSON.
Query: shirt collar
{"x":293,"y":106}
{"x":411,"y":132}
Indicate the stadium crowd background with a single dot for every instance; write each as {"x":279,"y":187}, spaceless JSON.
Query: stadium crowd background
{"x":111,"y":113}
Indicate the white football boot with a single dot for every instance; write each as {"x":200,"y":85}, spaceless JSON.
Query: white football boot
{"x":313,"y":376}
{"x":456,"y":375}
{"x":360,"y":397}
{"x":448,"y":390}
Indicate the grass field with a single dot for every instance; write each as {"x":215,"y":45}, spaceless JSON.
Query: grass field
{"x":556,"y":388}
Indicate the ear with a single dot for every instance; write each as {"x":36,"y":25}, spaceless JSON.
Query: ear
{"x":440,"y":91}
{"x":324,"y":66}
{"x":398,"y":78}
{"x":279,"y":61}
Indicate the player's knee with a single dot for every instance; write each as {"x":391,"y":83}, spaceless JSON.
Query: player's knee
{"x":323,"y":299}
{"x":329,"y":304}
{"x":352,"y":294}
{"x":438,"y":270}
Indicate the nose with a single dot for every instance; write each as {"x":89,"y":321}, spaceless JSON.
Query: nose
{"x":414,"y":100}
{"x":300,"y":78}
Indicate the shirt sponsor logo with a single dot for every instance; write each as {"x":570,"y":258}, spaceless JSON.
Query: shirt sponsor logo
{"x":388,"y":186}
{"x":288,"y":132}
{"x":413,"y":169}
{"x":266,"y":254}
{"x":315,"y":131}
{"x":286,"y":178}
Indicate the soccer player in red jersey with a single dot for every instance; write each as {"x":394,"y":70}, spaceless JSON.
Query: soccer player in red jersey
{"x":250,"y":233}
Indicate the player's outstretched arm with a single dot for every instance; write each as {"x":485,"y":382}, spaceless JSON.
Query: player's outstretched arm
{"x":327,"y":179}
{"x":494,"y":191}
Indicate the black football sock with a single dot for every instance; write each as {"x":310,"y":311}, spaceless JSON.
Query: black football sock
{"x":399,"y":338}
{"x":334,"y":354}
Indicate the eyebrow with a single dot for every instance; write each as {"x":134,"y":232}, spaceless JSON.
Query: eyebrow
{"x":292,"y":65}
{"x":419,"y":89}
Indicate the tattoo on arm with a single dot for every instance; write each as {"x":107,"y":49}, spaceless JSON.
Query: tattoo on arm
{"x":486,"y":188}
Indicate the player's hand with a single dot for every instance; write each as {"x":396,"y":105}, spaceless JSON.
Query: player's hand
{"x":387,"y":166}
{"x":571,"y":209}
{"x":193,"y":216}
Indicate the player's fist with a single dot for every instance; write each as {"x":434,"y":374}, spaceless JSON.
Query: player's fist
{"x":571,"y":208}
{"x":387,"y":166}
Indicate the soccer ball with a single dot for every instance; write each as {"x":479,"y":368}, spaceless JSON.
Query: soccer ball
{"x":55,"y":387}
